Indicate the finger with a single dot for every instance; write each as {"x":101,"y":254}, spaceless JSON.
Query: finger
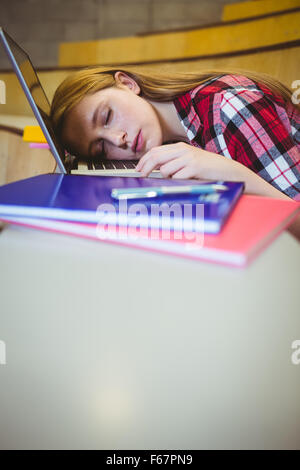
{"x":170,"y":149}
{"x":153,"y":153}
{"x":142,"y":161}
{"x":173,"y":166}
{"x":155,"y":162}
{"x":185,"y":173}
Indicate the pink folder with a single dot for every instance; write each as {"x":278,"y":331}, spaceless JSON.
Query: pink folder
{"x":255,"y":222}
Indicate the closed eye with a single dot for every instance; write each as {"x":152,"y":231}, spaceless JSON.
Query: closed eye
{"x":108,"y":117}
{"x":99,"y":150}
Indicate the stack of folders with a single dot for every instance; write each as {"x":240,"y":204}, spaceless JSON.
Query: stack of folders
{"x":211,"y":221}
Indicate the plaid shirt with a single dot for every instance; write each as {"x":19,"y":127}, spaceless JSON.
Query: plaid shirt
{"x":235,"y":117}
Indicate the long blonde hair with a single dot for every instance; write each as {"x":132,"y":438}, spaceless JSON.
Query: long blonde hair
{"x":155,"y":86}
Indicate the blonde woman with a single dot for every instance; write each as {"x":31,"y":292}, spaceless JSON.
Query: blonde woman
{"x":212,"y":125}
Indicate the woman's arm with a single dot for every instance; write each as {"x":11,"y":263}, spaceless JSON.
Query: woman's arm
{"x":184,"y":161}
{"x":256,"y":185}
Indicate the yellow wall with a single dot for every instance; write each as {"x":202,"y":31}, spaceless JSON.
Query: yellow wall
{"x":176,"y":45}
{"x":255,"y":8}
{"x":281,"y":64}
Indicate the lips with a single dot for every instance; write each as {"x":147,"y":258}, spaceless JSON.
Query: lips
{"x":137,"y":143}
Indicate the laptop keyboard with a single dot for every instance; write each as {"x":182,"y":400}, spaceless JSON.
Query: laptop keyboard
{"x":112,"y":164}
{"x":128,"y":166}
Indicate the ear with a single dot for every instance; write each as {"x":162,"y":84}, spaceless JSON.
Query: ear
{"x":123,"y":79}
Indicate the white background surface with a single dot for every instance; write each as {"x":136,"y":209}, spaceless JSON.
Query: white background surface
{"x":114,"y":348}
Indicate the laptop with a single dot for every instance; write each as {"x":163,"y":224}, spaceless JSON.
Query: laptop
{"x":40,"y":106}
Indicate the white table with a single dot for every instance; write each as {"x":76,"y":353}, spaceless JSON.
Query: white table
{"x":113,"y":348}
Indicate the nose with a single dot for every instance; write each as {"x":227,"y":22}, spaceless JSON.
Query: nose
{"x":116,"y":137}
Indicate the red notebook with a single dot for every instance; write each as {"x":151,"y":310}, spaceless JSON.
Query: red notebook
{"x":255,"y":222}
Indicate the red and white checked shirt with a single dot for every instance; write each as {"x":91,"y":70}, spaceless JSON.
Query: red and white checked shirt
{"x":233,"y":116}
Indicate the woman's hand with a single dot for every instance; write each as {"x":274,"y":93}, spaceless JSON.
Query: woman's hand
{"x":185,"y":161}
{"x":182,"y":160}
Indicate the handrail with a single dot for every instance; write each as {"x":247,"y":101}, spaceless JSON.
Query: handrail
{"x":11,"y":129}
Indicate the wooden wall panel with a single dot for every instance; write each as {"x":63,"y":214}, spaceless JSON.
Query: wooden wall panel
{"x":18,"y":160}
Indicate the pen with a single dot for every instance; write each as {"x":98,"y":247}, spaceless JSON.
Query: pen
{"x":140,"y":193}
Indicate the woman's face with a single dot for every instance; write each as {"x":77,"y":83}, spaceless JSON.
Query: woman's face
{"x":113,"y":123}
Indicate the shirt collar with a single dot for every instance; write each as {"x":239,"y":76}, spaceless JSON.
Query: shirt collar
{"x":188,"y":114}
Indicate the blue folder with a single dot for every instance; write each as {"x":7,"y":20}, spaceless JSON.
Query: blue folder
{"x":84,"y":198}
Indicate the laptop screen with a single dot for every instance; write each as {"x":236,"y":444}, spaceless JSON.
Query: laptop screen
{"x":35,"y":94}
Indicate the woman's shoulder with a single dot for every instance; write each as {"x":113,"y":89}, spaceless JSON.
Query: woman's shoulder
{"x":234,"y":83}
{"x":211,"y":93}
